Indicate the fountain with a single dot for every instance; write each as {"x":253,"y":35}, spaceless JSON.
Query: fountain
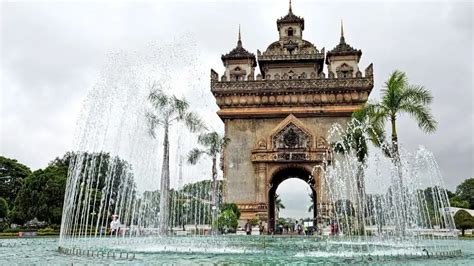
{"x":112,"y":201}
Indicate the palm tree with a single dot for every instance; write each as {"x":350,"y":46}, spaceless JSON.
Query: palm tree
{"x":399,"y":97}
{"x":167,"y":111}
{"x":278,"y":204}
{"x":311,"y":207}
{"x":213,"y":144}
{"x":362,"y":128}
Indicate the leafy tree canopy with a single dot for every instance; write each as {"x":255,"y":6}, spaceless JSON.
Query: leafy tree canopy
{"x":42,"y":194}
{"x":463,"y":220}
{"x":227,"y":221}
{"x":458,"y":203}
{"x":12,"y":174}
{"x":3,"y":208}
{"x":344,"y":207}
{"x":232,"y":207}
{"x":465,"y":191}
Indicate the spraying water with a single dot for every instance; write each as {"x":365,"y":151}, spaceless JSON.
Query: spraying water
{"x":113,"y":186}
{"x":113,"y":196}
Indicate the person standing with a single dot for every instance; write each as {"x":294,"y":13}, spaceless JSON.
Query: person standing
{"x":299,"y":228}
{"x":261,"y":228}
{"x":115,"y":225}
{"x":248,"y":228}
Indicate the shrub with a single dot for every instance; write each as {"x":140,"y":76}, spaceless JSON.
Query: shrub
{"x":47,"y":231}
{"x":12,"y":230}
{"x":254,"y":222}
{"x":226,"y":222}
{"x":230,"y":206}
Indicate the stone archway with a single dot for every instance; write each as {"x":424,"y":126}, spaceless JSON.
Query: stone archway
{"x":281,"y":175}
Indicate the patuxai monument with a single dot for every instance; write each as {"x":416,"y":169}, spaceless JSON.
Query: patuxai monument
{"x":115,"y":150}
{"x":277,"y":117}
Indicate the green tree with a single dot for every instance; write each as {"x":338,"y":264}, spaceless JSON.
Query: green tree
{"x":42,"y":194}
{"x":278,"y":203}
{"x":311,"y":207}
{"x":458,"y":203}
{"x":230,"y":206}
{"x":363,"y":127}
{"x":463,"y":221}
{"x":227,"y":221}
{"x":12,"y":175}
{"x":213,"y":145}
{"x":167,"y":111}
{"x":3,"y":208}
{"x":465,"y":192}
{"x":344,"y":208}
{"x":399,"y":97}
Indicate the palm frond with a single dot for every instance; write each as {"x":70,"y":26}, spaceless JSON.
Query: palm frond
{"x":158,"y":99}
{"x":224,"y":142}
{"x":194,"y":155}
{"x":395,"y":84}
{"x":396,"y":81}
{"x":209,"y":140}
{"x":153,"y":122}
{"x":422,"y":115}
{"x":180,"y":106}
{"x":278,"y":204}
{"x":416,"y":94}
{"x":193,"y":122}
{"x":377,"y":113}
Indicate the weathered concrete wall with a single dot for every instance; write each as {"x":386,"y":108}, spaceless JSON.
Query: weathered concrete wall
{"x":240,"y":172}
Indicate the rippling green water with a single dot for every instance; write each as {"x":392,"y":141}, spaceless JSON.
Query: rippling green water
{"x":242,"y":250}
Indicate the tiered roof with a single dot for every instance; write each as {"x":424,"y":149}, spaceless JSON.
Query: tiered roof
{"x":239,"y":52}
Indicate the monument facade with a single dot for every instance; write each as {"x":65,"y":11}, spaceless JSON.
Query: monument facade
{"x":277,"y":120}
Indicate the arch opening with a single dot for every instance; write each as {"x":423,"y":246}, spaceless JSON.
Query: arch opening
{"x":277,"y":179}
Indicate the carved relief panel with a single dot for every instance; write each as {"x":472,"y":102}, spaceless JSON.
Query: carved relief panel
{"x":291,"y":137}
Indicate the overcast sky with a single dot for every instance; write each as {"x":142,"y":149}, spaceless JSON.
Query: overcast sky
{"x":52,"y":53}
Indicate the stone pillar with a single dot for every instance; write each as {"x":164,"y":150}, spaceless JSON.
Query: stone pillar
{"x":260,"y":183}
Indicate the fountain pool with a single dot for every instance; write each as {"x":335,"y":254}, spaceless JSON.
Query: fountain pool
{"x":113,"y":212}
{"x":235,"y":249}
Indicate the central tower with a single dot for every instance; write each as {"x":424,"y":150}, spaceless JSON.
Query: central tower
{"x":277,"y":120}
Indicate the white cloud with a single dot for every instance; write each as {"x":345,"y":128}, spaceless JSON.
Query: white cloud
{"x":52,"y":53}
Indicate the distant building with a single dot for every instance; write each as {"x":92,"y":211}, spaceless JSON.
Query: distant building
{"x":454,"y":210}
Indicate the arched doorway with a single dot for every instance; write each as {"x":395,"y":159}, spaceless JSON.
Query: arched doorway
{"x":278,"y":178}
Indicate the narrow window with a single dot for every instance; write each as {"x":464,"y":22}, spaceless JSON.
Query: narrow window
{"x":290,"y":32}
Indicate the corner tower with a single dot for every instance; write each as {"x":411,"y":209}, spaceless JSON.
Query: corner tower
{"x":277,"y":124}
{"x":239,"y":63}
{"x":343,"y":60}
{"x":291,"y":57}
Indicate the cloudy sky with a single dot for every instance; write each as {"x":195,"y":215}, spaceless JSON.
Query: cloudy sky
{"x":52,"y":53}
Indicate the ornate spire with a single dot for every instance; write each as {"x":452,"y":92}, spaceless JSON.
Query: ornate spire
{"x":290,"y":18}
{"x":239,"y":42}
{"x":239,"y":52}
{"x":342,"y":40}
{"x":342,"y":48}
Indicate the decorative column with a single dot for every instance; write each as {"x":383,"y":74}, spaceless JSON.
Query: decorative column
{"x":260,"y":183}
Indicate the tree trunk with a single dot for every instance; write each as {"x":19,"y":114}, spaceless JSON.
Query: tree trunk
{"x":395,"y":154}
{"x":165,"y":184}
{"x":214,"y":187}
{"x":361,"y":199}
{"x":398,"y":166}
